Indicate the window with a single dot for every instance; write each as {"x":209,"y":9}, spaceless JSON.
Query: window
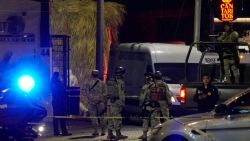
{"x":126,"y":55}
{"x":241,"y":105}
{"x":175,"y":72}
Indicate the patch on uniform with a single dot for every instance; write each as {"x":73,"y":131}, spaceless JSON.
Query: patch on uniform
{"x":209,"y":93}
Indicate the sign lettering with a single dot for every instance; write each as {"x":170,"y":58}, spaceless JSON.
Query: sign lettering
{"x":210,"y":60}
{"x":227,"y":10}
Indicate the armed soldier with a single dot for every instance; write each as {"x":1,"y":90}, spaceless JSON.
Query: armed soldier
{"x":156,"y":102}
{"x":144,"y":103}
{"x":97,"y":91}
{"x":230,"y":54}
{"x":160,"y":91}
{"x":116,"y":101}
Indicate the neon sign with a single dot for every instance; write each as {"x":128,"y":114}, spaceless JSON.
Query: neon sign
{"x":227,"y":10}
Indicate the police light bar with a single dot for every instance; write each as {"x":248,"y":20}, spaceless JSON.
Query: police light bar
{"x":26,"y":83}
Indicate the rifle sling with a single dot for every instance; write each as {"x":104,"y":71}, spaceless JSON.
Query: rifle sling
{"x":93,"y":86}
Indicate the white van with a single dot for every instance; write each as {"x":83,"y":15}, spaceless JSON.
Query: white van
{"x":138,"y":58}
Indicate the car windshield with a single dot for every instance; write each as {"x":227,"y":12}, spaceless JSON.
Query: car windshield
{"x":240,"y":104}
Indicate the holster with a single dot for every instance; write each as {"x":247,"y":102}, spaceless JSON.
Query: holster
{"x":145,"y":112}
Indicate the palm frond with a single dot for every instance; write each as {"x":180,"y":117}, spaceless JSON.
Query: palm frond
{"x":77,"y":18}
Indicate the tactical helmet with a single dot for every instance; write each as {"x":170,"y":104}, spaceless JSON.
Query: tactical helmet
{"x":119,"y":70}
{"x":158,"y":75}
{"x":95,"y":73}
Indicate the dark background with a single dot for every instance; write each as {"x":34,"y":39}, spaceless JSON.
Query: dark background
{"x":172,"y":20}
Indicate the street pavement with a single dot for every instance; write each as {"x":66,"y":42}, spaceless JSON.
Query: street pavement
{"x":81,"y":130}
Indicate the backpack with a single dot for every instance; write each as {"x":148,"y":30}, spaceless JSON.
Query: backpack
{"x":157,"y":92}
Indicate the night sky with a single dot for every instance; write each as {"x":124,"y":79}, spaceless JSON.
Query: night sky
{"x":167,"y":20}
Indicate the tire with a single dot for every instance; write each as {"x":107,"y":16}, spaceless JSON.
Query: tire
{"x":175,"y":138}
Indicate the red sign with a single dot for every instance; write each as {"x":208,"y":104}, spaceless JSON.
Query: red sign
{"x":227,"y":10}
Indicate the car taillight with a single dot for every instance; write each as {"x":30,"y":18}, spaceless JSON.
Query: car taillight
{"x":182,"y":96}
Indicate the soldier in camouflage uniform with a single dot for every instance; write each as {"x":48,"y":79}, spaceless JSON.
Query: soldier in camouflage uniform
{"x":230,"y":55}
{"x":97,"y":91}
{"x":157,"y":99}
{"x":143,"y":103}
{"x":116,"y":101}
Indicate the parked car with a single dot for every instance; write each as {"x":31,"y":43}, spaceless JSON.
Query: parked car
{"x":229,"y":121}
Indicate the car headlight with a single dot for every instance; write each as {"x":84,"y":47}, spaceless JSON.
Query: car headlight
{"x":156,"y":129}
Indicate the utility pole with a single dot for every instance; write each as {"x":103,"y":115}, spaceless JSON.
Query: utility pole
{"x":197,"y":20}
{"x":211,"y":21}
{"x":99,"y":36}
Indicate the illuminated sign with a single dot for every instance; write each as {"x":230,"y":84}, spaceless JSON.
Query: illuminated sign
{"x":227,"y":10}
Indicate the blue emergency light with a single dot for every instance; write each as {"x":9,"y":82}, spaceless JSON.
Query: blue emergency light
{"x":26,"y":83}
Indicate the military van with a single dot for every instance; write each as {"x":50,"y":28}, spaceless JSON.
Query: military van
{"x":170,"y":59}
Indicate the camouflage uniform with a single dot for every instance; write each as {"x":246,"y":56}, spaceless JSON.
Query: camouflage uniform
{"x":97,"y":91}
{"x":146,"y":119}
{"x":165,"y":103}
{"x":154,"y":112}
{"x":116,"y":101}
{"x":230,"y":58}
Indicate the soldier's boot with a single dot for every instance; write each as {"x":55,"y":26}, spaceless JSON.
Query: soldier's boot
{"x":103,"y":132}
{"x":119,"y":135}
{"x":111,"y":136}
{"x":95,"y":133}
{"x":143,"y":136}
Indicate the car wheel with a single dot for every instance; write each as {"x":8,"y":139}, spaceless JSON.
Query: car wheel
{"x":175,"y":138}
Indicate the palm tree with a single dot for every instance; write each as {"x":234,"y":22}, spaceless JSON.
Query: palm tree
{"x":77,"y":18}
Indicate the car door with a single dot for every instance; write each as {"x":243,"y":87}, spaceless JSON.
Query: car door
{"x":234,"y":126}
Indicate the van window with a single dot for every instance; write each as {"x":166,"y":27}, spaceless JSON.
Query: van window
{"x":136,"y":64}
{"x":126,"y":55}
{"x":175,"y":72}
{"x":149,"y":68}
